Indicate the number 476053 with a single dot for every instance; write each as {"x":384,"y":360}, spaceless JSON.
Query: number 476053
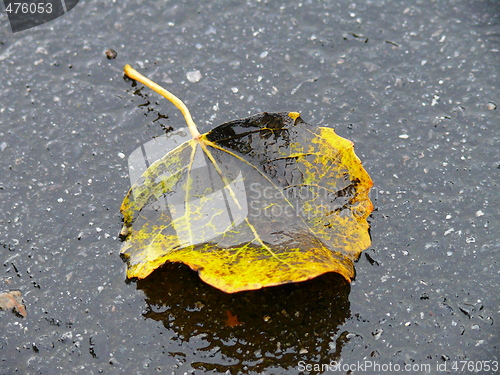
{"x":474,"y":366}
{"x":32,"y":8}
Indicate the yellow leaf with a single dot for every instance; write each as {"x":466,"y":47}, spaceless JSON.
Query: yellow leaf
{"x":256,"y":202}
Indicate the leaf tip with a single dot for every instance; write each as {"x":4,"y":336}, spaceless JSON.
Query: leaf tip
{"x":294,"y":115}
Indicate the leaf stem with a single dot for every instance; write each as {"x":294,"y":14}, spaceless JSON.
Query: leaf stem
{"x":134,"y":74}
